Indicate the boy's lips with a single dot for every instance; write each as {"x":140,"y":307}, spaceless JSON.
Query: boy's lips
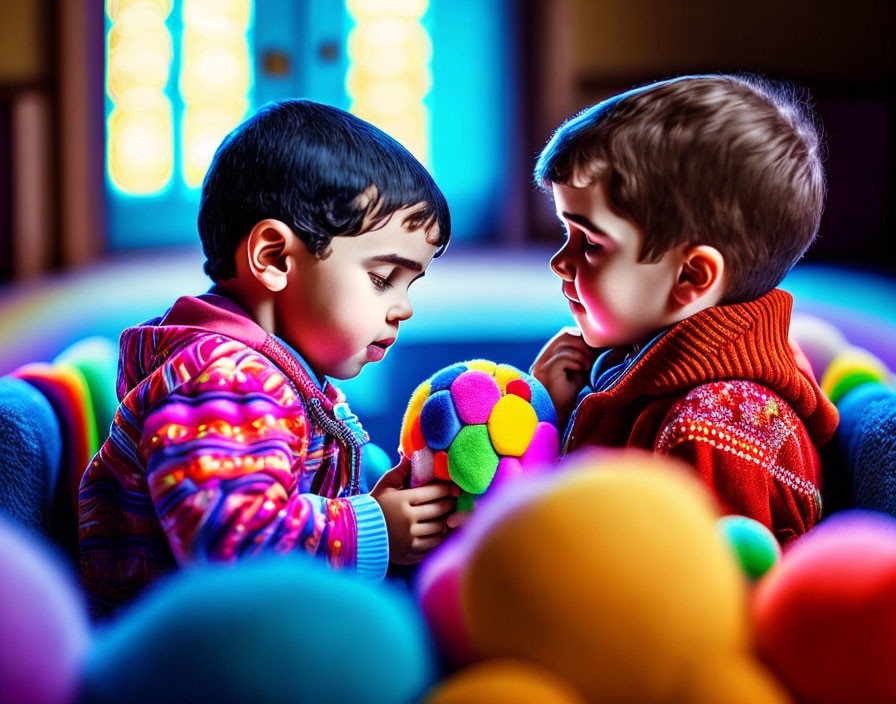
{"x":377,"y":350}
{"x":572,"y":300}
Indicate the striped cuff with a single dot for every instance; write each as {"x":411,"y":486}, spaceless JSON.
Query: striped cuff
{"x":373,"y":540}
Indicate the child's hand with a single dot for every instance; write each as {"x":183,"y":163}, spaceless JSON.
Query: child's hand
{"x":563,"y":366}
{"x":415,"y":518}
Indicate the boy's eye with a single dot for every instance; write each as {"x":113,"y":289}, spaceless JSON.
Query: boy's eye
{"x":586,"y":244}
{"x":380,"y":283}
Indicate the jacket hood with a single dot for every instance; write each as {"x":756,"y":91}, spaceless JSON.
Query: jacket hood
{"x":146,"y":346}
{"x":746,"y":341}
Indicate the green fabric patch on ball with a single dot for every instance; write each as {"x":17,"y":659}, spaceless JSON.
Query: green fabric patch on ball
{"x":472,"y":461}
{"x":465,"y":501}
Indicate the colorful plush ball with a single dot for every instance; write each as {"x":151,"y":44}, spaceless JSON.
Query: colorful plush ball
{"x":267,"y":630}
{"x":825,"y":618}
{"x":504,"y":682}
{"x":819,"y":340}
{"x":867,"y":445}
{"x":96,"y":358}
{"x":31,"y":454}
{"x":850,"y":368}
{"x":611,"y":574}
{"x":478,"y":424}
{"x":755,"y":546}
{"x":43,"y":622}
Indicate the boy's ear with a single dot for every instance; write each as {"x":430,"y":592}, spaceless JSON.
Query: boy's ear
{"x":269,"y":247}
{"x":700,"y":277}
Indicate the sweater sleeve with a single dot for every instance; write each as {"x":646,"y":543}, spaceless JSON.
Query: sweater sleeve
{"x":751,"y":450}
{"x":226,"y":454}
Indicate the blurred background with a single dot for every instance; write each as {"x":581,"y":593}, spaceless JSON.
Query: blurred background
{"x":110,"y":114}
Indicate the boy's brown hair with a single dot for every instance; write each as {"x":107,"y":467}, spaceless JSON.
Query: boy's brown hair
{"x":729,"y":161}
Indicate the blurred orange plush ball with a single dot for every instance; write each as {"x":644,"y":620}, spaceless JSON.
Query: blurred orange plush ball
{"x":613,"y":576}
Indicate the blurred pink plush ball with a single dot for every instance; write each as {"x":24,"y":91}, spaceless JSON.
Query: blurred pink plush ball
{"x":43,"y":623}
{"x":439,"y":596}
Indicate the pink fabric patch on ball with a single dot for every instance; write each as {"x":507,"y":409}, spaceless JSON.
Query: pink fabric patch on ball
{"x":509,"y":469}
{"x":474,"y":394}
{"x":422,"y":467}
{"x":518,"y":387}
{"x":544,"y":448}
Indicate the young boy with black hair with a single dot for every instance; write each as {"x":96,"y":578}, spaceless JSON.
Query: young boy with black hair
{"x":229,"y":440}
{"x":685,"y":203}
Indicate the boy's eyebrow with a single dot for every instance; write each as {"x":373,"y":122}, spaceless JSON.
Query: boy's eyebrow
{"x":401,"y":261}
{"x":582,"y":221}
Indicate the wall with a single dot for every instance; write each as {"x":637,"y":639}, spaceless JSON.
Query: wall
{"x":842,"y":53}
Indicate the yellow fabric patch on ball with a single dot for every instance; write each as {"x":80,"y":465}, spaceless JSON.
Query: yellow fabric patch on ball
{"x":482,"y":365}
{"x":504,"y":374}
{"x":511,"y":425}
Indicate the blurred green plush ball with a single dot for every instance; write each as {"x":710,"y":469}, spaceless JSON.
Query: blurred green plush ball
{"x":755,"y":546}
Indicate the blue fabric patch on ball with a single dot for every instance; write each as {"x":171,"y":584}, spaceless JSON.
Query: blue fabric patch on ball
{"x":439,"y":421}
{"x":443,"y":379}
{"x":541,"y":401}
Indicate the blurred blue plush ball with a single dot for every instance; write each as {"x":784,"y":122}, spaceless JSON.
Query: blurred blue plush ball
{"x":269,"y":630}
{"x":375,"y":462}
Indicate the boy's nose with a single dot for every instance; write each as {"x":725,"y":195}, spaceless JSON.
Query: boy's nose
{"x":560,"y":264}
{"x":402,"y":310}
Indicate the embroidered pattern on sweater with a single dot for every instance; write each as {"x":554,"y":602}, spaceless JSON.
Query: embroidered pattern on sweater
{"x":741,"y":418}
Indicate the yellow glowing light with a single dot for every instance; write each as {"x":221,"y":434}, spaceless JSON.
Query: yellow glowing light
{"x":218,"y":13}
{"x":140,"y":134}
{"x":203,"y":130}
{"x":389,"y":75}
{"x":215,"y":67}
{"x":114,"y":8}
{"x":215,"y":78}
{"x":367,"y":9}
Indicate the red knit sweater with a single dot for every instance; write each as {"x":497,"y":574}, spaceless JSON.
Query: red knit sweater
{"x":723,"y":391}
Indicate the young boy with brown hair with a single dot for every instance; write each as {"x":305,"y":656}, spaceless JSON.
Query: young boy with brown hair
{"x":685,"y":203}
{"x":229,"y":440}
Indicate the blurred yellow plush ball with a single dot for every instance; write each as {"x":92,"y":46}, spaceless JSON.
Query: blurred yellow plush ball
{"x":503,"y":682}
{"x":613,"y":577}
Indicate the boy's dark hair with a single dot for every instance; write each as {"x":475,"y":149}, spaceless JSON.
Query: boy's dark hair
{"x":729,"y":161}
{"x":322,"y":171}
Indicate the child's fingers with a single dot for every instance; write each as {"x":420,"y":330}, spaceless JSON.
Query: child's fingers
{"x":428,"y":492}
{"x":426,"y":544}
{"x":567,"y":356}
{"x":584,"y":353}
{"x":425,"y":528}
{"x":571,"y":360}
{"x":457,"y":519}
{"x":396,"y":477}
{"x":433,"y":509}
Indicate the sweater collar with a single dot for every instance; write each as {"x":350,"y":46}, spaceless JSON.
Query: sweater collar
{"x":746,"y":341}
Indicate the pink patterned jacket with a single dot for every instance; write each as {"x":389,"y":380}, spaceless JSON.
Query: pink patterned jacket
{"x":223,"y":447}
